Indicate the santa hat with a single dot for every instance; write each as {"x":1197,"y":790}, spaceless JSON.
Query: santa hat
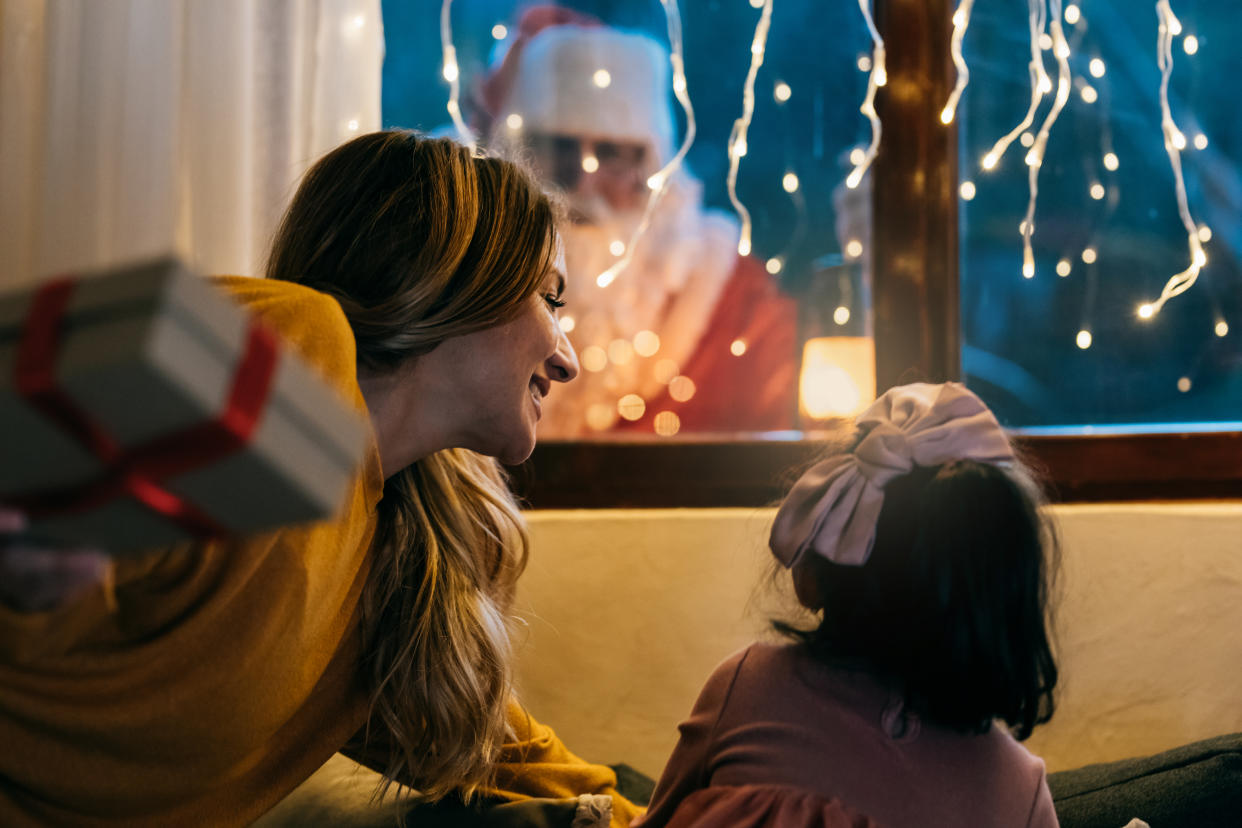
{"x":559,"y":86}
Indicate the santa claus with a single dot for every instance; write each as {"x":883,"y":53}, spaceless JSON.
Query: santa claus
{"x":690,"y":336}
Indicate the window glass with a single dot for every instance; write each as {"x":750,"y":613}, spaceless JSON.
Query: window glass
{"x":1078,"y":342}
{"x":690,"y":337}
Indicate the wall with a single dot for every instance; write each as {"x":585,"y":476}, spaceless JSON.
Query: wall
{"x":629,"y":611}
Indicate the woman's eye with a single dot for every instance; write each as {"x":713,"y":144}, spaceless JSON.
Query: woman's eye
{"x":554,"y":300}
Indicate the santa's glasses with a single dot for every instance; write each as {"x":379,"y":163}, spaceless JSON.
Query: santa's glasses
{"x":565,"y":159}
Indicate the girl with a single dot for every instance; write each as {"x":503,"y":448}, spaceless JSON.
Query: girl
{"x":923,"y":546}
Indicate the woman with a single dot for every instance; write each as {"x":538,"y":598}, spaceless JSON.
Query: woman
{"x":205,"y":682}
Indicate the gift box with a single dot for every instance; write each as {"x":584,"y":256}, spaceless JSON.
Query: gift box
{"x":140,"y":407}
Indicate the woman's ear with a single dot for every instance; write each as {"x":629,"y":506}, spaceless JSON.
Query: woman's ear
{"x":806,"y":582}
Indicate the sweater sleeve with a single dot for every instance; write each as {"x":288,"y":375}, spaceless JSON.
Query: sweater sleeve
{"x":536,"y":764}
{"x":688,"y":769}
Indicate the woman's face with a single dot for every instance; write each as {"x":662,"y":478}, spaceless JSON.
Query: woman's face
{"x":493,"y":382}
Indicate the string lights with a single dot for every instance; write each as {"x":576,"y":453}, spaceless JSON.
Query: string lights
{"x":1174,"y":143}
{"x":1041,"y":85}
{"x":961,"y":22}
{"x":452,"y":74}
{"x":658,"y":182}
{"x":1035,"y":157}
{"x":737,"y":138}
{"x":877,"y":78}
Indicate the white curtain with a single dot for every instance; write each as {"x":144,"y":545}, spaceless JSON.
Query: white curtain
{"x":136,"y":127}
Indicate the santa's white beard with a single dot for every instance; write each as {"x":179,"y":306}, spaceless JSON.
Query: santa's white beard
{"x":671,"y":286}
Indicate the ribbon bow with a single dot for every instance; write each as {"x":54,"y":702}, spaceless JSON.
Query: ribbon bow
{"x":832,"y":510}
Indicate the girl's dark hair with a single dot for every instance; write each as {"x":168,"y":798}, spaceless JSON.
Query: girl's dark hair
{"x":951,"y":609}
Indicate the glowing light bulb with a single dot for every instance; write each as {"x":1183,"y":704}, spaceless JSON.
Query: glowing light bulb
{"x":743,"y":247}
{"x":1083,"y":340}
{"x":616,"y":247}
{"x":602,"y":78}
{"x":1089,"y":255}
{"x":655,"y":182}
{"x":568,"y":323}
{"x":790,"y":182}
{"x":1201,"y":141}
{"x":1183,"y":384}
{"x":989,"y":161}
{"x":681,"y":388}
{"x":756,"y":4}
{"x":967,"y":190}
{"x":774,"y":265}
{"x":864,"y":63}
{"x":1027,"y":139}
{"x":739,"y":149}
{"x":841,"y":315}
{"x":1111,"y":162}
{"x":514,"y":121}
{"x":1096,"y":68}
{"x":590,"y":163}
{"x":1097,"y":191}
{"x":737,"y":347}
{"x":1088,"y":94}
{"x":1179,"y":140}
{"x":1146,"y":311}
{"x":450,"y":72}
{"x":1045,"y":41}
{"x":853,"y":248}
{"x":961,"y":21}
{"x":667,"y":423}
{"x":352,"y":125}
{"x":1205,"y":233}
{"x":1222,"y":328}
{"x":631,"y":407}
{"x":594,"y":358}
{"x":500,"y":31}
{"x":782,"y":92}
{"x":1072,"y":14}
{"x":1028,"y":270}
{"x":359,"y":21}
{"x":1190,"y":44}
{"x":1064,"y":268}
{"x":646,"y":343}
{"x":857,"y":156}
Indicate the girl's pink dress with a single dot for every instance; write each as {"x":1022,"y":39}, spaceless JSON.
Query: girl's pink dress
{"x":779,"y":740}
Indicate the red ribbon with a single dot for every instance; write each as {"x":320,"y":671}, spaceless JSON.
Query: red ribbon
{"x":138,"y":472}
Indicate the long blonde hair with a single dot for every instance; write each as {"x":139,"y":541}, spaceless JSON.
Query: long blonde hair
{"x":421,"y":240}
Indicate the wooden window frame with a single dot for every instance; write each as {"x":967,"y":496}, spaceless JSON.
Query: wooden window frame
{"x":915,"y":270}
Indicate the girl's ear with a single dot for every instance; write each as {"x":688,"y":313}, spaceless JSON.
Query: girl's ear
{"x":806,"y":582}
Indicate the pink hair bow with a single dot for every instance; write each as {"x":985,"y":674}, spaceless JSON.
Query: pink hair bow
{"x":832,"y":510}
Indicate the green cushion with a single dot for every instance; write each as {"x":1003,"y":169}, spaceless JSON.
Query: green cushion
{"x":1196,"y":786}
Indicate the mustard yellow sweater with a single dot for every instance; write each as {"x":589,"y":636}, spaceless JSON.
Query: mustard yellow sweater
{"x":209,"y":680}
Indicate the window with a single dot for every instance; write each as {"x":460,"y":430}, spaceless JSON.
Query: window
{"x":935,"y":297}
{"x":1080,"y":341}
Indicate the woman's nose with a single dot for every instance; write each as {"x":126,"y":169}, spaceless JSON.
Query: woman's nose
{"x":563,"y":364}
